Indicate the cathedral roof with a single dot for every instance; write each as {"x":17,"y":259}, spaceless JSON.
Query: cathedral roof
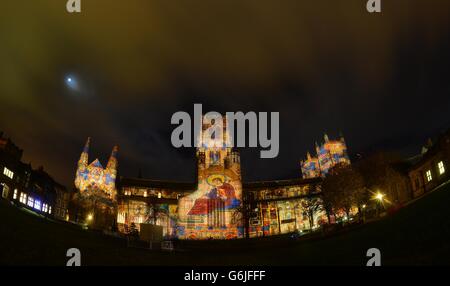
{"x":96,"y":163}
{"x":149,"y":183}
{"x":280,"y":183}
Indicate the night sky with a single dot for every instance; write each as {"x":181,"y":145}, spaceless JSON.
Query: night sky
{"x":382,"y":80}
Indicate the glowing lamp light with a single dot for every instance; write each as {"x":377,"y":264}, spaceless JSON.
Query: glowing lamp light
{"x":90,"y":217}
{"x":379,"y":196}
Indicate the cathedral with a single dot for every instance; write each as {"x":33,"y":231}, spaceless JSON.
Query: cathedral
{"x":219,"y":204}
{"x":329,"y":154}
{"x":95,"y":203}
{"x":93,"y":177}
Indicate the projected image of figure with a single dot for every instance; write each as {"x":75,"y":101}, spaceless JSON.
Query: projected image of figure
{"x":221,"y":190}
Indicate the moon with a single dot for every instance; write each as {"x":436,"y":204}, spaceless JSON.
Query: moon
{"x":71,"y":83}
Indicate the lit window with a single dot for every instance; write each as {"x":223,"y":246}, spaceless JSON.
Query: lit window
{"x":145,"y":194}
{"x":45,"y":208}
{"x":7,"y":172}
{"x":429,"y":177}
{"x":50,"y":210}
{"x":121,"y":217}
{"x":15,"y":195}
{"x":23,"y":198}
{"x":37,"y":205}
{"x":159,"y":195}
{"x":30,"y":202}
{"x":441,"y":168}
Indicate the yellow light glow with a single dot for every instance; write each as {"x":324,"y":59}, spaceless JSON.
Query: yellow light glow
{"x":379,"y":196}
{"x":90,"y":217}
{"x":429,"y":176}
{"x":441,"y":168}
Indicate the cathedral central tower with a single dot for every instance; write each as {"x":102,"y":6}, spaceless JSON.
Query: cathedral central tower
{"x":213,"y":211}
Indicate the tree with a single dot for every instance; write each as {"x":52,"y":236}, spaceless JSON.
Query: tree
{"x":343,"y":189}
{"x":133,"y":231}
{"x":382,"y":172}
{"x":156,"y":211}
{"x":311,"y":206}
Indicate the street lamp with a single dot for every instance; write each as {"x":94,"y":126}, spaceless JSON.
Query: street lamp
{"x":379,"y":196}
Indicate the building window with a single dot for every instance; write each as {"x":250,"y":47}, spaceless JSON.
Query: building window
{"x":37,"y":205}
{"x":15,"y":195}
{"x":121,"y":217}
{"x":23,"y":198}
{"x":5,"y":191}
{"x":429,"y":177}
{"x":145,"y":194}
{"x":50,"y":210}
{"x":441,"y":168}
{"x":30,"y":202}
{"x":159,"y":195}
{"x":45,"y":208}
{"x":7,"y":172}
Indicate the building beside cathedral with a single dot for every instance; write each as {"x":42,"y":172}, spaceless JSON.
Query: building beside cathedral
{"x":328,"y":155}
{"x":218,"y":205}
{"x":32,"y":189}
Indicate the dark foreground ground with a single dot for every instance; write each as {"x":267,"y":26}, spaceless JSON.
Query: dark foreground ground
{"x":417,"y":234}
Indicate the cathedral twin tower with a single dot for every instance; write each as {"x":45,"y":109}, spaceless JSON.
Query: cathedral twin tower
{"x":93,"y":178}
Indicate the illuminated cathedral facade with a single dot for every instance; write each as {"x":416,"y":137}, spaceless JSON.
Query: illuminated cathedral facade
{"x":328,"y":155}
{"x":93,"y":177}
{"x":213,"y":206}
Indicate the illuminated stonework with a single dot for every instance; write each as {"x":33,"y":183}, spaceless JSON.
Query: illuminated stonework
{"x":93,"y":177}
{"x":214,"y":209}
{"x":329,"y":154}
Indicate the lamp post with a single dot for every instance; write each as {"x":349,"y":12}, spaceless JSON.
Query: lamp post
{"x":380,"y":198}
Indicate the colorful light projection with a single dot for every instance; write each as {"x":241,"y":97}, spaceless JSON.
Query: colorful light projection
{"x":214,"y":210}
{"x":93,"y":177}
{"x":138,"y":212}
{"x":329,"y":154}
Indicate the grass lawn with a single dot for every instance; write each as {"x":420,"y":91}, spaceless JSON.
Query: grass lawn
{"x":417,"y":234}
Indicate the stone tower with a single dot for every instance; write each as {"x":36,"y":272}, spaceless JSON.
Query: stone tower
{"x":93,"y":178}
{"x":213,"y":210}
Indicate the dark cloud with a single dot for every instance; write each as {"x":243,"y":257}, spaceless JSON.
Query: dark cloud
{"x":380,"y":79}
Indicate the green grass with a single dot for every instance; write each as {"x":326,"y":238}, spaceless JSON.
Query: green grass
{"x":417,"y":234}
